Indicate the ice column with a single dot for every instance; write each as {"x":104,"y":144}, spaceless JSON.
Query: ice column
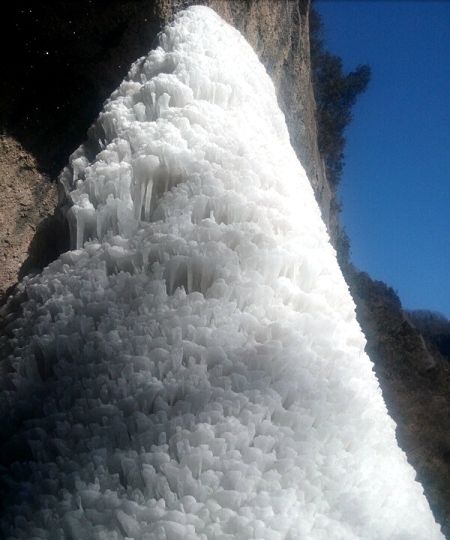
{"x":193,"y":368}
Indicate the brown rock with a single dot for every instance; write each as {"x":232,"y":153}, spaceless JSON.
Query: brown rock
{"x":27,"y":204}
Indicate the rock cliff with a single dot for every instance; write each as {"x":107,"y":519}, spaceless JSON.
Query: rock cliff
{"x":415,"y":379}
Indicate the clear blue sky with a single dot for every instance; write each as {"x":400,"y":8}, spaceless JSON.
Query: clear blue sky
{"x":396,"y":184}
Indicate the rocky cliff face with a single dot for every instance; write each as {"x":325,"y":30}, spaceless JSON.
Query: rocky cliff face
{"x":29,"y":237}
{"x":69,"y":61}
{"x":415,"y":379}
{"x":434,"y":327}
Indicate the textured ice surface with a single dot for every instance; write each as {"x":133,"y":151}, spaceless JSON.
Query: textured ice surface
{"x":194,"y":368}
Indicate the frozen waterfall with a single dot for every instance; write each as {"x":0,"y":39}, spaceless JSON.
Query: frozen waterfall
{"x":193,"y":369}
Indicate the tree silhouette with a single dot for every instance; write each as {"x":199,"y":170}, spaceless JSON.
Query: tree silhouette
{"x":335,"y":93}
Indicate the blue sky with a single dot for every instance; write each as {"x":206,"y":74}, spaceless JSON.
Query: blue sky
{"x":396,"y":184}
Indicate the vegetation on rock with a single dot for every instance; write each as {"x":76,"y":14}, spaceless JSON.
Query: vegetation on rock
{"x":335,"y":93}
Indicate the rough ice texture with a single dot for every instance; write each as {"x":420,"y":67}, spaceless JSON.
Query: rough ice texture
{"x":194,"y":369}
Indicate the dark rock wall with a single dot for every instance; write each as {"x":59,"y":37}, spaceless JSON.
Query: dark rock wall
{"x":27,"y":202}
{"x":434,"y":327}
{"x":415,"y":380}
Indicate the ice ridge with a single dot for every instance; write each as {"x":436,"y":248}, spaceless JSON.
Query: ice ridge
{"x":193,"y":368}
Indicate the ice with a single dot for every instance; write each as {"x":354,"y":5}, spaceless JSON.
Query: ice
{"x":193,"y":368}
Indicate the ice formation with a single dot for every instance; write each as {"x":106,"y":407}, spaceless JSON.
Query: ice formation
{"x":194,"y":369}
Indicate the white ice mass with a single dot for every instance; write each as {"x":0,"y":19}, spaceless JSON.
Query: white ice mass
{"x":194,"y":368}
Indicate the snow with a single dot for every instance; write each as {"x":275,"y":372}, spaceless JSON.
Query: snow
{"x":193,"y":368}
